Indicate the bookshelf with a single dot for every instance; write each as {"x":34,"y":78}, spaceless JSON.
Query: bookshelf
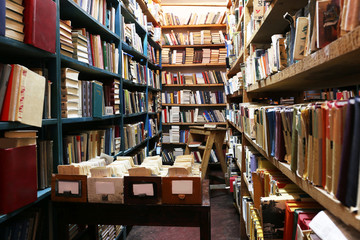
{"x":56,"y":128}
{"x":335,"y":65}
{"x":194,"y":46}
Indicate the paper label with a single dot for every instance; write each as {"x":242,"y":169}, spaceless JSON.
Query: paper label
{"x":143,"y":189}
{"x":67,"y":186}
{"x":105,"y":187}
{"x":182,"y":187}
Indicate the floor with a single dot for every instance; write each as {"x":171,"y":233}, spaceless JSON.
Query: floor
{"x":224,"y":223}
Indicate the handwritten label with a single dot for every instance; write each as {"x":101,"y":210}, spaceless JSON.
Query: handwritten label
{"x":67,"y":186}
{"x":143,"y":189}
{"x":105,"y":188}
{"x":182,"y":187}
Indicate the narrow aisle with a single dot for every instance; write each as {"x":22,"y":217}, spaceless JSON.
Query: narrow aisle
{"x":224,"y":223}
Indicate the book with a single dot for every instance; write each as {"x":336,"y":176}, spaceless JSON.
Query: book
{"x":40,"y":24}
{"x":97,"y":99}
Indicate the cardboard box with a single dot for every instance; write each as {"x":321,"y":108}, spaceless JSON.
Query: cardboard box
{"x":181,"y":190}
{"x":69,"y":188}
{"x":142,"y":190}
{"x":106,"y":190}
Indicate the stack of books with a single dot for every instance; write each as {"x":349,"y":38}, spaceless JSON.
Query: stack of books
{"x":216,"y":38}
{"x":112,"y":97}
{"x":206,"y":55}
{"x":198,"y":55}
{"x":80,"y":44}
{"x":174,"y":114}
{"x":196,"y":36}
{"x":66,"y":42}
{"x":179,"y":57}
{"x":205,"y":37}
{"x":189,"y":55}
{"x":174,"y":134}
{"x":222,"y":55}
{"x":165,"y":55}
{"x":14,"y":25}
{"x":185,"y":96}
{"x":214,"y":56}
{"x":70,"y":94}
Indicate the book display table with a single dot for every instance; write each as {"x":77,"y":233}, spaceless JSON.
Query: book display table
{"x":91,"y":214}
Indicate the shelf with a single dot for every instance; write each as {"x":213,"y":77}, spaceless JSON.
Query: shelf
{"x":41,"y":194}
{"x":194,"y":85}
{"x":134,"y":114}
{"x":275,"y":15}
{"x":154,"y":89}
{"x":153,"y":43}
{"x":131,"y":83}
{"x":192,"y":124}
{"x":319,"y":194}
{"x":132,"y":51}
{"x":17,"y":125}
{"x":238,"y":27}
{"x":153,"y":113}
{"x":335,"y":65}
{"x":145,"y":10}
{"x":194,"y":65}
{"x":179,"y":143}
{"x":194,"y":26}
{"x":194,"y":105}
{"x":156,"y":135}
{"x":129,"y":18}
{"x":129,"y":150}
{"x":235,"y":68}
{"x":248,"y":186}
{"x":237,"y":94}
{"x":85,"y":69}
{"x":195,"y":46}
{"x":234,"y":126}
{"x":154,"y":66}
{"x":12,"y":49}
{"x":89,"y":119}
{"x":80,"y":18}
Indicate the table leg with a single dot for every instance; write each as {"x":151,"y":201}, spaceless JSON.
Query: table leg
{"x":205,"y":225}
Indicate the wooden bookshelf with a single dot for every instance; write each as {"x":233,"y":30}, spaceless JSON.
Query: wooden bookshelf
{"x":194,"y":26}
{"x":234,"y":126}
{"x":195,"y":46}
{"x":150,"y":17}
{"x":192,"y":124}
{"x":323,"y":68}
{"x":237,"y":94}
{"x":236,"y":65}
{"x":195,"y":105}
{"x":194,"y":65}
{"x":194,"y":85}
{"x":319,"y":194}
{"x":249,"y":186}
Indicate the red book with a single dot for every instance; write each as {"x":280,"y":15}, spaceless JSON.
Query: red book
{"x":18,"y":185}
{"x":40,"y":24}
{"x":6,"y":105}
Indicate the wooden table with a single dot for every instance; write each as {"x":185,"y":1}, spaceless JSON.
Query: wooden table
{"x":124,"y":214}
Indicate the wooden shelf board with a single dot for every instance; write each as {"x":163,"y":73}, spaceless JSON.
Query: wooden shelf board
{"x":195,"y":105}
{"x":194,"y":124}
{"x":80,"y":18}
{"x":145,"y":10}
{"x":234,"y":126}
{"x":338,"y":64}
{"x":238,"y":93}
{"x":194,"y":46}
{"x":235,"y":68}
{"x":275,"y":15}
{"x":194,"y":65}
{"x":248,"y":185}
{"x":319,"y":194}
{"x":194,"y":85}
{"x":195,"y":26}
{"x":180,"y":143}
{"x":86,"y":70}
{"x":238,"y":28}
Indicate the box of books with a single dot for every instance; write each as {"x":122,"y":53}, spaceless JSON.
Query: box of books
{"x":181,"y":190}
{"x":106,"y":189}
{"x":69,"y":188}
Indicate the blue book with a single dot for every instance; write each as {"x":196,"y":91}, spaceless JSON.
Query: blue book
{"x":270,"y":113}
{"x":150,"y":130}
{"x":2,"y":17}
{"x":97,"y":98}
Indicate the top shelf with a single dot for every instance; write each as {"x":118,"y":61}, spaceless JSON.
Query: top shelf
{"x":148,"y":14}
{"x":337,"y":64}
{"x":194,"y":26}
{"x":69,"y":10}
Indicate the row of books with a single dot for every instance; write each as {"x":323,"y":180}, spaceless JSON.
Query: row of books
{"x":82,"y":146}
{"x":174,"y":115}
{"x":153,"y":77}
{"x":176,"y":135}
{"x":236,"y":46}
{"x":134,"y":134}
{"x":233,"y":84}
{"x":191,"y":55}
{"x":136,"y":11}
{"x":88,"y":48}
{"x":318,"y":141}
{"x":153,"y":127}
{"x":132,"y":70}
{"x":193,"y":97}
{"x":310,"y":31}
{"x":206,"y":77}
{"x":22,"y":94}
{"x":193,"y":38}
{"x":139,"y":156}
{"x":17,"y":22}
{"x":108,"y":231}
{"x":102,"y":10}
{"x":134,"y":102}
{"x":153,"y":54}
{"x":195,"y":18}
{"x":168,"y":156}
{"x":131,"y":37}
{"x":154,"y":102}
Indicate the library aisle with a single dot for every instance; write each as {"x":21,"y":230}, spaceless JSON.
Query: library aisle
{"x":224,"y":223}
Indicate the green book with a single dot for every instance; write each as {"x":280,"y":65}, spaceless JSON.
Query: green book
{"x":97,"y":98}
{"x":106,"y":66}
